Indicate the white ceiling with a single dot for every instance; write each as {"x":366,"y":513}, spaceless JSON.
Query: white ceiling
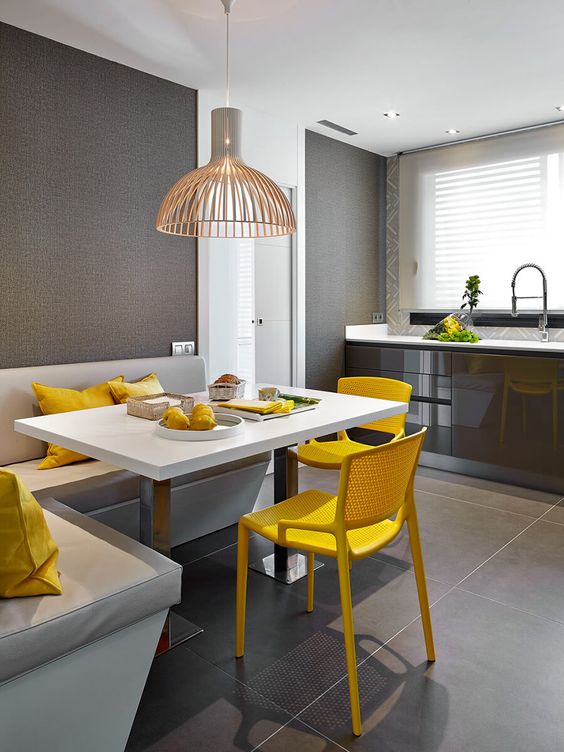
{"x":476,"y":65}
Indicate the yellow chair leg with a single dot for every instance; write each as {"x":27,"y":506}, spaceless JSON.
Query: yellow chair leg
{"x":242,"y":569}
{"x":554,"y":419}
{"x":415,"y":543}
{"x":504,"y":411}
{"x":350,"y":651}
{"x":310,"y":580}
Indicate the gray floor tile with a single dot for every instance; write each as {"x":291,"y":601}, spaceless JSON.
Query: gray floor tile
{"x":297,"y":737}
{"x":204,"y":546}
{"x":527,"y":574}
{"x":485,"y":492}
{"x":556,"y":514}
{"x":456,"y":537}
{"x":291,"y":656}
{"x":496,"y":686}
{"x":384,"y":601}
{"x":188,"y":704}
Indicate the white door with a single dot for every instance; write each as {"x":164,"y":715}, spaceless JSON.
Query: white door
{"x":273,"y":308}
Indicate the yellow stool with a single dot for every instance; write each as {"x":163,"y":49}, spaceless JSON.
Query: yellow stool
{"x":374,"y":485}
{"x":328,"y":455}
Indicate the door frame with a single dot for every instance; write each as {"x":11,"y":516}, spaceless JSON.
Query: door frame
{"x":297,"y":304}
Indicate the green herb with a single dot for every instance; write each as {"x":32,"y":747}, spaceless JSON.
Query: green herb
{"x":300,"y":400}
{"x":472,"y":292}
{"x":464,"y":336}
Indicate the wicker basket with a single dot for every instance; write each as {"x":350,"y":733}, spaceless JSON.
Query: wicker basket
{"x":142,"y":407}
{"x":226,"y":391}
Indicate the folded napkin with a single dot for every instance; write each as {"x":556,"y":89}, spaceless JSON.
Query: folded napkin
{"x":258,"y":406}
{"x":284,"y":406}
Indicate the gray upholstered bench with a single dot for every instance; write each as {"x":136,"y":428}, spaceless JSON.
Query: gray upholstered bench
{"x":73,"y":667}
{"x":201,"y":502}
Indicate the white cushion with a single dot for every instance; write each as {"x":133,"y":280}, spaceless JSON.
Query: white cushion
{"x":36,"y":480}
{"x":109,"y":582}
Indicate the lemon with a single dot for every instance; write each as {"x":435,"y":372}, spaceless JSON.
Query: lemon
{"x":175,"y":418}
{"x":202,"y":423}
{"x":202,"y":409}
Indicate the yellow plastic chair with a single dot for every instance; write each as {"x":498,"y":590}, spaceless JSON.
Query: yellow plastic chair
{"x":328,"y":455}
{"x":374,"y":486}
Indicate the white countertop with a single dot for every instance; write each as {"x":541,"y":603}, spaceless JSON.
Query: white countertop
{"x":378,"y":334}
{"x":109,"y":434}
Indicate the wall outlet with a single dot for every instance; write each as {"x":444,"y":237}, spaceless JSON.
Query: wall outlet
{"x":183,"y":348}
{"x":377,"y":317}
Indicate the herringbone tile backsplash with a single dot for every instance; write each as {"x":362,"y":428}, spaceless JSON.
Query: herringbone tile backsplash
{"x":398,"y":321}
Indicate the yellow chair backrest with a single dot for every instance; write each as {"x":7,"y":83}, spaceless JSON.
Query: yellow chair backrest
{"x":531,"y":370}
{"x":374,"y":484}
{"x":380,"y":388}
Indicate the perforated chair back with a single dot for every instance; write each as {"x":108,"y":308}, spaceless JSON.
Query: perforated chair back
{"x":379,"y":388}
{"x":374,"y":484}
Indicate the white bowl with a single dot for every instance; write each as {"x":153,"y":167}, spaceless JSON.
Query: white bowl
{"x":227,"y":426}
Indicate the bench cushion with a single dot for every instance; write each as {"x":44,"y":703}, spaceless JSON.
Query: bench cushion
{"x":93,"y":485}
{"x":109,"y":582}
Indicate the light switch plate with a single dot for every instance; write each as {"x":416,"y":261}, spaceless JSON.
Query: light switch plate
{"x":183,"y":348}
{"x":377,"y":317}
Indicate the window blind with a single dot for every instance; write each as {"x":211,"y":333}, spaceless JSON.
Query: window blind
{"x":245,"y":310}
{"x":482,"y":208}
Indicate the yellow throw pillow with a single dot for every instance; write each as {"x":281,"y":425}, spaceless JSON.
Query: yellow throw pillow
{"x":121,"y":390}
{"x":58,"y":400}
{"x":28,"y":554}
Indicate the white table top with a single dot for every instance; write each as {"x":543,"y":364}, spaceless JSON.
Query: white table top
{"x":109,"y":434}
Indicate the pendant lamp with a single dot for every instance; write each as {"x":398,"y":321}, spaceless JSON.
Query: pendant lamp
{"x":226,"y":198}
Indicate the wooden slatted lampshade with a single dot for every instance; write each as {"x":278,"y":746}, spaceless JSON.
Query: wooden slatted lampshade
{"x":226,"y":198}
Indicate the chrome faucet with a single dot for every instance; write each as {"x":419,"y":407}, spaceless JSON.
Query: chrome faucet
{"x":543,"y":317}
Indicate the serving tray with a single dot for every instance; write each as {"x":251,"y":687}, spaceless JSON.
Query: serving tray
{"x":247,"y":415}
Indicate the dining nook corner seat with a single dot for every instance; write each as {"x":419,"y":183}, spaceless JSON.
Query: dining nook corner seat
{"x":73,"y":666}
{"x":201,"y":501}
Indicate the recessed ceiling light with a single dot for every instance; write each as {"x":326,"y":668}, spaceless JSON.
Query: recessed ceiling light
{"x":452,"y":131}
{"x":560,"y":108}
{"x":391,"y":114}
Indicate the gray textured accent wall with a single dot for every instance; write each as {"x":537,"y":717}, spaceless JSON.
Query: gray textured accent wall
{"x":345,"y":249}
{"x":88,"y":149}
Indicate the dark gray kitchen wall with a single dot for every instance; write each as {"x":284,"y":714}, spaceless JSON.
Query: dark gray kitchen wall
{"x":345,"y":250}
{"x":88,"y":149}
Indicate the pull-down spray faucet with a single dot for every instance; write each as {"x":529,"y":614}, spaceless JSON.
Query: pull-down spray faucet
{"x":543,"y":317}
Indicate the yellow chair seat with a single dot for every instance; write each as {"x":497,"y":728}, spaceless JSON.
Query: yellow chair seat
{"x":318,"y":507}
{"x":328,"y":455}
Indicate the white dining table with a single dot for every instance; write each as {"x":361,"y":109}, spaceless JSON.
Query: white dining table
{"x":110,"y":435}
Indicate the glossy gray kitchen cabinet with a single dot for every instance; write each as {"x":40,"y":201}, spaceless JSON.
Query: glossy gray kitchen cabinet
{"x":429,"y":375}
{"x":498,"y":416}
{"x":507,"y":411}
{"x":397,"y":359}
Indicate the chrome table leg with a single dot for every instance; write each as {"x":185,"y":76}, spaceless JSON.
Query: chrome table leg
{"x":154,"y":524}
{"x":284,"y":565}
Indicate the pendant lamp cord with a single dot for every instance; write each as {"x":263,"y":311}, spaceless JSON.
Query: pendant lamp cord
{"x":227,"y":61}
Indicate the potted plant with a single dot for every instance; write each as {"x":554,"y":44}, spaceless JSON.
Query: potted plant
{"x":472,"y":292}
